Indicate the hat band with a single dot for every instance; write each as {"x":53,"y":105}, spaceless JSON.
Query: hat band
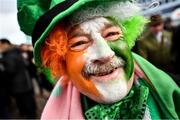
{"x":43,"y":22}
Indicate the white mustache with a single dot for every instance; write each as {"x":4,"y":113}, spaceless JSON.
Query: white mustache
{"x":94,"y":69}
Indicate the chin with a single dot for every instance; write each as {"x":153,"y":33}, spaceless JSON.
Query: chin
{"x":112,"y":91}
{"x":113,"y":87}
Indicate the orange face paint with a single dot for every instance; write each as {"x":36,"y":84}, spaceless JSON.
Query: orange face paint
{"x":75,"y":62}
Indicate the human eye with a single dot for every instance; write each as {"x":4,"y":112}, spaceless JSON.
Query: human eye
{"x":79,"y":43}
{"x":112,"y":33}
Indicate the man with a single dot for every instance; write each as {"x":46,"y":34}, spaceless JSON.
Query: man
{"x":156,"y":44}
{"x":20,"y":83}
{"x":88,"y":44}
{"x":5,"y":45}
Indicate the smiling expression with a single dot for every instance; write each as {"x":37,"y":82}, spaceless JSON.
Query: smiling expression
{"x":98,"y":60}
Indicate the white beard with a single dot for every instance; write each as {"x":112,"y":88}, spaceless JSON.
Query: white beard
{"x":113,"y":90}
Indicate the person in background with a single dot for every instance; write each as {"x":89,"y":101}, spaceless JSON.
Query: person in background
{"x":27,"y":55}
{"x":21,"y":83}
{"x":155,"y":45}
{"x":41,"y":79}
{"x":4,"y":82}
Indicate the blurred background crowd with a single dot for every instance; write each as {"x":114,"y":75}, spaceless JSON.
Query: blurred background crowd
{"x":24,"y":89}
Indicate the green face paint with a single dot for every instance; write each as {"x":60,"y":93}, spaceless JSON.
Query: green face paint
{"x":121,"y":49}
{"x":132,"y":28}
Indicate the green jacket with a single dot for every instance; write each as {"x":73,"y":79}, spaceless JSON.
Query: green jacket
{"x":167,"y":92}
{"x":157,"y":53}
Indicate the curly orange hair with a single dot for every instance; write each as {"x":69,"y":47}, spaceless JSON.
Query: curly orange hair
{"x":54,"y":50}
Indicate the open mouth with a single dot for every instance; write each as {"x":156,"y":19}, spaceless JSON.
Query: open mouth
{"x":106,"y":76}
{"x":103,"y":73}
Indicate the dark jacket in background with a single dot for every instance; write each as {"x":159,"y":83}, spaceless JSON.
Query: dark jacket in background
{"x":18,"y":73}
{"x":4,"y":91}
{"x":176,"y":48}
{"x":21,"y":82}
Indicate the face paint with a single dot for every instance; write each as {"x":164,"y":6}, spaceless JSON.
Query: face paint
{"x":121,"y":49}
{"x":93,"y":66}
{"x":93,"y":28}
{"x":75,"y":62}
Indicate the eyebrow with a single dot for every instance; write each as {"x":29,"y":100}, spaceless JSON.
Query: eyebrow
{"x":77,"y":34}
{"x":109,"y":26}
{"x":76,"y":31}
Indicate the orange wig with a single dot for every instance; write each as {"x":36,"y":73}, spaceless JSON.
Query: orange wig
{"x":54,"y":50}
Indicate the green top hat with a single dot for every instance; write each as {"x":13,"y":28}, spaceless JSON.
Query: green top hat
{"x":37,"y":18}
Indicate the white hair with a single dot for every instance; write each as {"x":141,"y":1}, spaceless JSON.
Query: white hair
{"x":117,"y":9}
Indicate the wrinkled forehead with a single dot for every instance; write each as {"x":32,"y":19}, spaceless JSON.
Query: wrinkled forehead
{"x":92,"y":25}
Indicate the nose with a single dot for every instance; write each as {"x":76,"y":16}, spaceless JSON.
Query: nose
{"x":102,"y":60}
{"x":100,"y":50}
{"x":103,"y":53}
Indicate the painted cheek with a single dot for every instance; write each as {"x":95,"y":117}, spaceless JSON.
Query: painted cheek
{"x":75,"y":62}
{"x":121,"y":49}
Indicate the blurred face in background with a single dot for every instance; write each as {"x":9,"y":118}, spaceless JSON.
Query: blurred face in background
{"x":156,"y":28}
{"x":4,"y":47}
{"x":24,"y":47}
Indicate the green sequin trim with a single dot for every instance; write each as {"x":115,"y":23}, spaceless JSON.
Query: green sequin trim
{"x":131,"y":107}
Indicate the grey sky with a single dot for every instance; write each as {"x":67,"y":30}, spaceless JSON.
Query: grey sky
{"x":9,"y":27}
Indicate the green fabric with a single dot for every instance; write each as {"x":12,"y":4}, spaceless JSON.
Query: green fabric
{"x":167,"y":92}
{"x":132,"y":106}
{"x":55,"y":2}
{"x":151,"y":104}
{"x":48,"y":75}
{"x":153,"y":108}
{"x":29,"y":11}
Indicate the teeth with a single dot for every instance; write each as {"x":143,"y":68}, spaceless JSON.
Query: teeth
{"x":105,"y":73}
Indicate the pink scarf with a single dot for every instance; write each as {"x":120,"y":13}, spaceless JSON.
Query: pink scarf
{"x":64,"y":103}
